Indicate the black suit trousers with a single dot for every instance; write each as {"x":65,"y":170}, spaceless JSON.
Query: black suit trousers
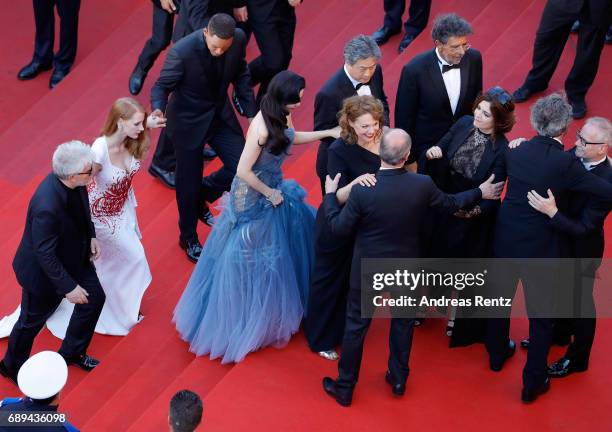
{"x":164,"y":157}
{"x":418,"y":15}
{"x":191,"y":189}
{"x":539,"y":284}
{"x":400,"y":344}
{"x":274,"y":34}
{"x":161,"y":35}
{"x":582,"y":326}
{"x":36,"y":308}
{"x":551,"y":37}
{"x":44,"y":17}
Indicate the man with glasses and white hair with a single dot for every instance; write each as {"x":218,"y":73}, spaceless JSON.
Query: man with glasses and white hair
{"x":53,"y":261}
{"x":538,"y":165}
{"x":583,"y":219}
{"x":360,"y":75}
{"x":439,"y":86}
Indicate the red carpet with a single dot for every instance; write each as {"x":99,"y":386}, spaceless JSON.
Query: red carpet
{"x":272,"y":389}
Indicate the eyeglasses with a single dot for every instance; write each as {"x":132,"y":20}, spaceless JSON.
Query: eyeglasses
{"x":501,"y":95}
{"x":464,"y":47}
{"x":583,"y":143}
{"x":87,"y":173}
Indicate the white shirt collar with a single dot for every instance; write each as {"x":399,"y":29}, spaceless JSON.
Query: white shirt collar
{"x":353,"y":81}
{"x":589,"y":165}
{"x":441,"y":60}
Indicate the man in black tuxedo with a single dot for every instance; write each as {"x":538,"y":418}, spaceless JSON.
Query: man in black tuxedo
{"x":197,"y":72}
{"x":552,"y":34}
{"x":438,"y":87}
{"x":43,"y":59}
{"x":273,"y":24}
{"x":381,"y":231}
{"x":53,"y":261}
{"x":417,"y":21}
{"x":361,"y":75}
{"x":584,"y":221}
{"x":522,"y":232}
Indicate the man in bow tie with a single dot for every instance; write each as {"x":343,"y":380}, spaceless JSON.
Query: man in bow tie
{"x":360,"y":75}
{"x":439,"y":86}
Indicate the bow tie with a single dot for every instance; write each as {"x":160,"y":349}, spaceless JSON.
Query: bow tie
{"x":446,"y":68}
{"x":358,"y":86}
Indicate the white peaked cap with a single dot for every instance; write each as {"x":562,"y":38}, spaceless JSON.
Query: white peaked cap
{"x":43,"y":375}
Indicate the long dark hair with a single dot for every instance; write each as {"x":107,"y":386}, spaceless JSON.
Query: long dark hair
{"x":284,"y":89}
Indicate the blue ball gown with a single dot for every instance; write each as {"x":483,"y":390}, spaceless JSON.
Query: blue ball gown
{"x":249,"y":287}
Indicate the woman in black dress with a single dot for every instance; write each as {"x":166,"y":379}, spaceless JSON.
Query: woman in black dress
{"x":355,"y":156}
{"x":467,"y":155}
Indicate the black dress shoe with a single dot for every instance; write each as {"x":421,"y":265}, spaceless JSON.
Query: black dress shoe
{"x":137,"y":80}
{"x":407,"y":40}
{"x":206,"y":216}
{"x":237,"y":105}
{"x":83,"y":361}
{"x":575,"y":27}
{"x":56,"y":77}
{"x":192,"y":248}
{"x":579,"y":109}
{"x":166,"y":177}
{"x":396,"y":389}
{"x":329,"y":385}
{"x":383,"y":34}
{"x":8,"y":374}
{"x":522,"y":94}
{"x":209,"y":154}
{"x":497,"y":366}
{"x":32,"y":69}
{"x":525,"y":343}
{"x":563,"y":367}
{"x":530,"y":395}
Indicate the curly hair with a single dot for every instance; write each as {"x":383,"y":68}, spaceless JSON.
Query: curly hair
{"x":353,"y":108}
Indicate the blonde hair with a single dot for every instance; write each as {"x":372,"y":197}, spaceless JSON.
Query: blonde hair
{"x":353,"y":108}
{"x":125,"y":108}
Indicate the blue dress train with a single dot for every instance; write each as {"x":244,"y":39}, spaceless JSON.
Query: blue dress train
{"x":250,"y":285}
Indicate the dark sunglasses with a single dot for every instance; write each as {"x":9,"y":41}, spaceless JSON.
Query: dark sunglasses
{"x":499,"y":94}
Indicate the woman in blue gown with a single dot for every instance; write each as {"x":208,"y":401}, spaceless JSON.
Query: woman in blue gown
{"x":249,"y":287}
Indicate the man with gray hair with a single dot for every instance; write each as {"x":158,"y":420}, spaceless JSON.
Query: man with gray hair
{"x":521,"y":231}
{"x":582,"y":219}
{"x":53,"y":261}
{"x":439,"y":86}
{"x":361,"y":74}
{"x":384,"y":229}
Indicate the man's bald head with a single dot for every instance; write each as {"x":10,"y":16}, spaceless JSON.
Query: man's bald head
{"x":395,"y":147}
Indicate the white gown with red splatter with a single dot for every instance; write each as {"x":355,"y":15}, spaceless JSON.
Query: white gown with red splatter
{"x":122,"y":267}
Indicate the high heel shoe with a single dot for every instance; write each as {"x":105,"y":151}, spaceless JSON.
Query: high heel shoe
{"x":329,"y":355}
{"x":449,"y":327}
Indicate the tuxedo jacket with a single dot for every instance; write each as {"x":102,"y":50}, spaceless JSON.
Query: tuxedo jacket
{"x":190,"y":102}
{"x":386,"y":219}
{"x":539,"y":164}
{"x":422,"y":106}
{"x":53,"y":249}
{"x":584,"y":218}
{"x":328,"y":103}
